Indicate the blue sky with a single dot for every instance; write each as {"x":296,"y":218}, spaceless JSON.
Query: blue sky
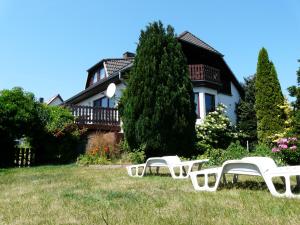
{"x":47,"y":46}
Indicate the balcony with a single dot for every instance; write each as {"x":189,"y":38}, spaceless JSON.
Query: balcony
{"x":201,"y":72}
{"x":96,"y":118}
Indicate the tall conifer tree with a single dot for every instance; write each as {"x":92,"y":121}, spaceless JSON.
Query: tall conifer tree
{"x":268,"y":98}
{"x":157,"y":107}
{"x":245,"y":110}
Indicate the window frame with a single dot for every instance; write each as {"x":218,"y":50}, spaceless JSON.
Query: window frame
{"x":213,"y":108}
{"x":197,"y":104}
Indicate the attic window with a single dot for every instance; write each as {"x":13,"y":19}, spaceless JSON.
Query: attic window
{"x":95,"y":78}
{"x":102,"y":73}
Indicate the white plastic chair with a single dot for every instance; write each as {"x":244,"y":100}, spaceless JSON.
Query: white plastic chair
{"x":254,"y":166}
{"x":170,"y":162}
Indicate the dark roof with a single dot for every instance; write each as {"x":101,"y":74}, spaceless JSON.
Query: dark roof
{"x":114,"y":65}
{"x":192,"y":39}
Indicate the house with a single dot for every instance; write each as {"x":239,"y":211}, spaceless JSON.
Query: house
{"x":213,"y":83}
{"x":55,"y":100}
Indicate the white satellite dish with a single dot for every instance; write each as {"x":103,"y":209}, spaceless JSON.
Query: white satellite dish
{"x":111,"y":90}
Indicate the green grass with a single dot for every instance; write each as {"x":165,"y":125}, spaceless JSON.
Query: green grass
{"x":81,"y":195}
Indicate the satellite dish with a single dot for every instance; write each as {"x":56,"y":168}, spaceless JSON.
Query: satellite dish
{"x":111,"y":90}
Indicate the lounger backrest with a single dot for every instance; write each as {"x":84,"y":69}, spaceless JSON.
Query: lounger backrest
{"x":264,"y":163}
{"x":172,"y":159}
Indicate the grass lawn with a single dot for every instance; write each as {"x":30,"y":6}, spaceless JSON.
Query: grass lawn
{"x":81,"y":195}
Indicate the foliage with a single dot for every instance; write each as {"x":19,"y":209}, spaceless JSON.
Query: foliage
{"x":218,"y":156}
{"x":59,"y":118}
{"x":234,"y":151}
{"x":137,"y":155}
{"x":216,"y":130}
{"x":294,"y":91}
{"x":157,"y":107}
{"x":60,"y":139}
{"x":268,"y":97}
{"x":288,"y":151}
{"x":20,"y":115}
{"x":49,"y":130}
{"x":246,"y":119}
{"x":105,"y":144}
{"x":91,"y":159}
{"x":262,"y":150}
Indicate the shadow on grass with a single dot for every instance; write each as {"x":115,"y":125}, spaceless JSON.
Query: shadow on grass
{"x":256,"y":185}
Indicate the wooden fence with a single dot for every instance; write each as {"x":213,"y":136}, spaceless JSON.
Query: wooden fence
{"x":24,"y":157}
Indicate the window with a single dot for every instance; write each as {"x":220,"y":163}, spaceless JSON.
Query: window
{"x":209,"y":103}
{"x":196,"y":100}
{"x":102,"y":73}
{"x":104,"y":102}
{"x":95,"y":78}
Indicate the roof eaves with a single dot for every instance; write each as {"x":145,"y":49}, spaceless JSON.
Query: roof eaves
{"x":187,"y":32}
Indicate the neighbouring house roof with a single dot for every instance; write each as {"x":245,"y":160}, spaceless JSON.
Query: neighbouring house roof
{"x":56,"y":97}
{"x":192,"y":39}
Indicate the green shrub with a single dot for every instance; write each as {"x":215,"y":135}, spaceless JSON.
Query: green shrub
{"x":88,"y":159}
{"x":262,"y":150}
{"x":215,"y":156}
{"x":218,"y":156}
{"x":234,"y":151}
{"x":137,"y":155}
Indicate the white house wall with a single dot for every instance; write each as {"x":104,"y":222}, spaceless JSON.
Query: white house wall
{"x":89,"y":101}
{"x":55,"y":102}
{"x":230,"y":102}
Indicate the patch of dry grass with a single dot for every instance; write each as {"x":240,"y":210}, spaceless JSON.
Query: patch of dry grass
{"x":81,"y":195}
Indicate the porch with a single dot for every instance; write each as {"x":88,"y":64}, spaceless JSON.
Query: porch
{"x":96,"y":118}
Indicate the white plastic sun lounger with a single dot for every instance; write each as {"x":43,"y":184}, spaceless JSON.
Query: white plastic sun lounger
{"x":170,"y":162}
{"x":255,"y":166}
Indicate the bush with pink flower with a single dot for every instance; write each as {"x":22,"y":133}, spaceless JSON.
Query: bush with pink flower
{"x":287,"y":150}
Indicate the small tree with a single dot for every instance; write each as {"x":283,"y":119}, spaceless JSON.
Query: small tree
{"x":20,"y":115}
{"x":246,"y":119}
{"x":268,"y":99}
{"x":157,"y":107}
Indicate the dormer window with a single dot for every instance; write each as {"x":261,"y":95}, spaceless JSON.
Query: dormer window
{"x":95,"y":78}
{"x":102,"y":73}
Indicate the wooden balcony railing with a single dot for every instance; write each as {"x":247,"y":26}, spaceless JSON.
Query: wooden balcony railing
{"x":201,"y":72}
{"x":87,"y":115}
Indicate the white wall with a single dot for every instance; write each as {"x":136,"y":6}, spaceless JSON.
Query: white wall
{"x":228,"y":100}
{"x":56,"y":101}
{"x":89,"y":101}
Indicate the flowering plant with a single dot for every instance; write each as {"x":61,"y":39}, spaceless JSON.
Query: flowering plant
{"x":216,"y":130}
{"x":287,"y":150}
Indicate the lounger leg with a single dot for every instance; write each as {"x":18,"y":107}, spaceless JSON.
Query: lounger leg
{"x":172,"y":172}
{"x":288,"y":191}
{"x":157,"y":169}
{"x":235,"y":178}
{"x":271,"y":187}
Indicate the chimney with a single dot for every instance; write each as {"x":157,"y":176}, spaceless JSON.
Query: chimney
{"x":127,"y":55}
{"x":41,"y":100}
